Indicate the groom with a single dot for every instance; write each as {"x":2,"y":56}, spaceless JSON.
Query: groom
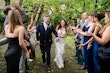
{"x":44,"y":39}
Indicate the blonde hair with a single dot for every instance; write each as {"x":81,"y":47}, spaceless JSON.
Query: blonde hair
{"x":103,"y":29}
{"x":14,"y":19}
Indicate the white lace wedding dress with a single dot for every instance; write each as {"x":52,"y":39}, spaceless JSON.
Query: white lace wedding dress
{"x":59,"y":50}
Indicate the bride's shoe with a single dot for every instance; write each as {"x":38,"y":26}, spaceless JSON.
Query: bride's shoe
{"x":49,"y":69}
{"x":60,"y":67}
{"x":54,"y":60}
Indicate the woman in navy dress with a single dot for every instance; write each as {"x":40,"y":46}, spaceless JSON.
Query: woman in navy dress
{"x":104,"y":40}
{"x":97,"y":27}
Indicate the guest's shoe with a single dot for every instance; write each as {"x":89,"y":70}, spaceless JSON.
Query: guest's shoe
{"x":82,"y":68}
{"x":74,"y":55}
{"x":49,"y":69}
{"x":29,"y":60}
{"x":26,"y":72}
{"x":27,"y":68}
{"x":44,"y":64}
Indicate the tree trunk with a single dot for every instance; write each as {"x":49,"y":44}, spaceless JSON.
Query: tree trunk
{"x":84,"y":4}
{"x":7,"y":2}
{"x":96,"y":1}
{"x":20,"y":2}
{"x":3,"y":41}
{"x":39,"y":13}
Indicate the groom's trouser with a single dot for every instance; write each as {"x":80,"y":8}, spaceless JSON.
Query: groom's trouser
{"x":45,"y":50}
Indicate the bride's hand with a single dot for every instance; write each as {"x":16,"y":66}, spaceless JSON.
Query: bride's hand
{"x":57,"y":39}
{"x":61,"y":36}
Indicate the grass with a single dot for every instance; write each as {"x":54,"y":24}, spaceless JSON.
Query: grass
{"x":36,"y":65}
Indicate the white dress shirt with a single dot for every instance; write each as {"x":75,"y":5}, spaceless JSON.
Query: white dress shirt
{"x":45,"y":25}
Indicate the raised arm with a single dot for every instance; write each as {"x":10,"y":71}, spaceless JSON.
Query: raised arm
{"x":105,"y":37}
{"x":96,"y":30}
{"x":89,"y":30}
{"x":30,"y":26}
{"x":54,"y":31}
{"x":21,"y":41}
{"x":80,"y":32}
{"x":57,"y":27}
{"x":77,"y":30}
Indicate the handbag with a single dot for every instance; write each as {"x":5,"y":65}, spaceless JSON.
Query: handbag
{"x":104,"y":52}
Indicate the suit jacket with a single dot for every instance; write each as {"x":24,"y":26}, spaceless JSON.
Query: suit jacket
{"x":45,"y":36}
{"x":85,"y":23}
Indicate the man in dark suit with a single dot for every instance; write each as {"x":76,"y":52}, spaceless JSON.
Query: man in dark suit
{"x":44,"y":38}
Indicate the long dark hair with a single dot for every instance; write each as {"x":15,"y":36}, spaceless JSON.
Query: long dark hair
{"x":64,"y":25}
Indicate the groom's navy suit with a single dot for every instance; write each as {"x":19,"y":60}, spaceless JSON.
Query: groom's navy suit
{"x":45,"y":38}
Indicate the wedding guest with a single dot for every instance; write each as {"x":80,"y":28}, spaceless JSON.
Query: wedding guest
{"x":104,"y":40}
{"x":23,"y":64}
{"x":15,"y":34}
{"x":97,"y":27}
{"x":32,"y":37}
{"x":88,"y":58}
{"x":83,"y":25}
{"x":6,"y":9}
{"x":77,"y":43}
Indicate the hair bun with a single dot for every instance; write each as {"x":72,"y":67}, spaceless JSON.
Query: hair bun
{"x":99,"y":16}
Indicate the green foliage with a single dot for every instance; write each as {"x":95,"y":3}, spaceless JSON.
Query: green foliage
{"x":70,"y":41}
{"x":71,"y":65}
{"x":1,"y":15}
{"x":66,"y":9}
{"x":69,"y":10}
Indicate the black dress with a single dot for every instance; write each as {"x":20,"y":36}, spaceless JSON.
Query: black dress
{"x":12,"y":55}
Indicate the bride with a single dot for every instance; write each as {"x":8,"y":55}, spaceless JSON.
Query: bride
{"x":60,"y":43}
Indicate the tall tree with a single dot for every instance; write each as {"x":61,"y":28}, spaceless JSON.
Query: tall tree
{"x":7,"y":2}
{"x":39,"y":12}
{"x":20,"y":2}
{"x":96,"y":1}
{"x":84,"y":4}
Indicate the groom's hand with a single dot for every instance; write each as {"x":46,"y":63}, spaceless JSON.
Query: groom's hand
{"x":38,"y":42}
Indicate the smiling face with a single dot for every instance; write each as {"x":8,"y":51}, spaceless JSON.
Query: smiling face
{"x":62,"y":23}
{"x":85,"y":16}
{"x":95,"y":19}
{"x":90,"y":18}
{"x":46,"y":20}
{"x":107,"y":19}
